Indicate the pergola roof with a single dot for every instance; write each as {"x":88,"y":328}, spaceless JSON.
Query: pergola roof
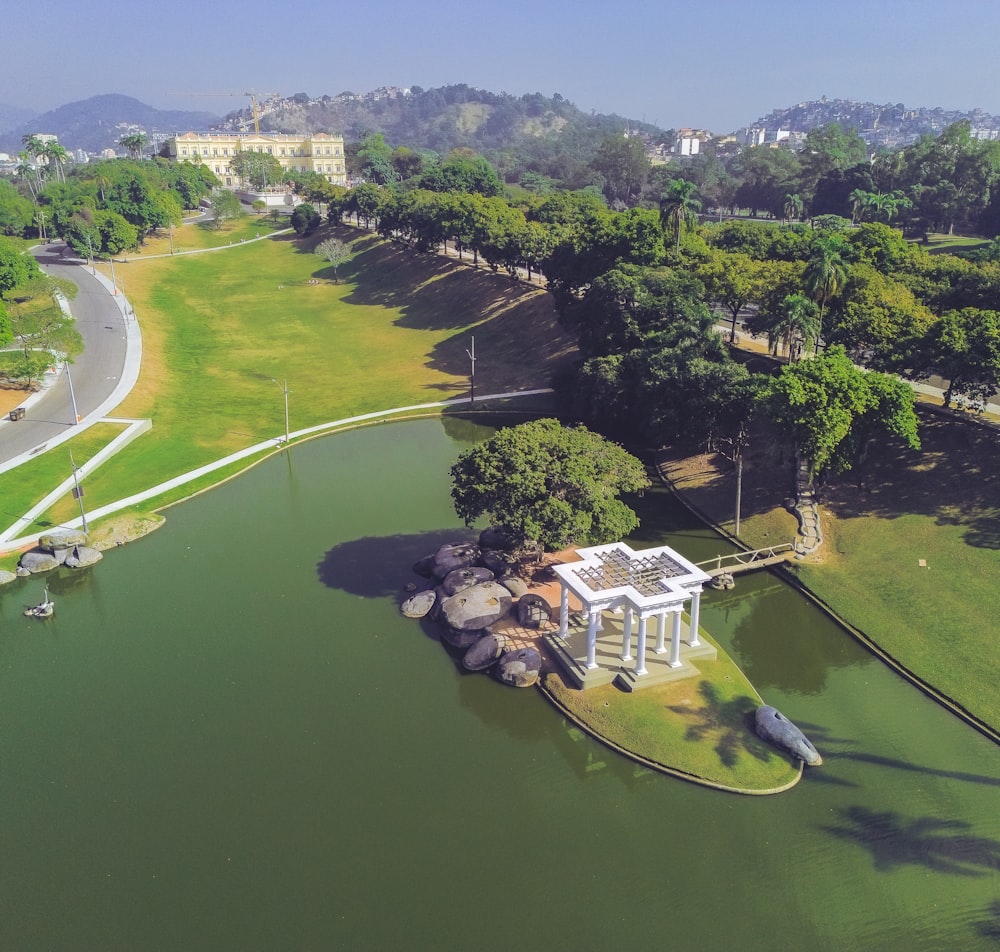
{"x":647,"y":580}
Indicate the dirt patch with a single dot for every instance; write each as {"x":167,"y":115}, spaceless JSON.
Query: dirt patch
{"x":11,"y":397}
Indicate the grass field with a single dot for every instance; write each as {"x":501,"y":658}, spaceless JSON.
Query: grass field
{"x":939,"y":506}
{"x":220,"y":328}
{"x":708,"y":734}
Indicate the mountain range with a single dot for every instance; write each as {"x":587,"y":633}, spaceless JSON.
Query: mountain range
{"x":453,"y":116}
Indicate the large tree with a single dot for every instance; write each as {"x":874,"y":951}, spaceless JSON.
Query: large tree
{"x":259,"y":170}
{"x":622,"y":162}
{"x":548,"y":483}
{"x":818,"y":403}
{"x":679,"y":209}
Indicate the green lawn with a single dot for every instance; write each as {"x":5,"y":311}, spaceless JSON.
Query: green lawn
{"x":220,"y":328}
{"x":940,"y":505}
{"x":938,"y":244}
{"x":700,"y":727}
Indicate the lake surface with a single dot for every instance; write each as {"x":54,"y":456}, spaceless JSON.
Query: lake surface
{"x":229,"y":739}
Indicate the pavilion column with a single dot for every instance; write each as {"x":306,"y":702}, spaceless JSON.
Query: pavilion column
{"x":661,"y":632}
{"x":640,"y":653}
{"x":592,"y":619}
{"x":563,"y":611}
{"x":626,"y":654}
{"x":693,"y":640}
{"x":675,"y":640}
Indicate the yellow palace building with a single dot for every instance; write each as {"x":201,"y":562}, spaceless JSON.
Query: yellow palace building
{"x":321,"y":152}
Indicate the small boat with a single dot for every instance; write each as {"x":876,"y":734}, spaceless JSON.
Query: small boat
{"x":43,"y":609}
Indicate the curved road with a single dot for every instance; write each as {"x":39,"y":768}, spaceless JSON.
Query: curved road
{"x":102,"y":322}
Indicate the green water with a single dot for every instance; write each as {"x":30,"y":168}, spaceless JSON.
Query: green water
{"x":229,"y":739}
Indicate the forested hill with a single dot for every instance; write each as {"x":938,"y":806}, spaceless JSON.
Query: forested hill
{"x":508,"y":129}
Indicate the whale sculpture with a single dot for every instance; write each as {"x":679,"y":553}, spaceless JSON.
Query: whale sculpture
{"x":775,"y":728}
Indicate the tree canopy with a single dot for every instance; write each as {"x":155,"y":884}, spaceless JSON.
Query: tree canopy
{"x":548,"y":483}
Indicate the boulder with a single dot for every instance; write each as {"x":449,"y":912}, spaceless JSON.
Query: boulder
{"x":416,"y":606}
{"x":63,"y":539}
{"x":439,"y":596}
{"x":477,"y":607}
{"x":456,"y":555}
{"x":496,"y":538}
{"x":516,"y":586}
{"x":519,"y":668}
{"x":776,"y":729}
{"x":461,"y":639}
{"x":424,"y":567}
{"x":484,"y":652}
{"x":82,"y":555}
{"x":499,"y":563}
{"x":461,"y":579}
{"x":35,"y":561}
{"x":6,"y":577}
{"x":533,"y":611}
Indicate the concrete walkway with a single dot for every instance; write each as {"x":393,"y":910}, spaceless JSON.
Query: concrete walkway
{"x":10,"y":544}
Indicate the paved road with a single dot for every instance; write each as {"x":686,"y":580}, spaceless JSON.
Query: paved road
{"x":95,"y":373}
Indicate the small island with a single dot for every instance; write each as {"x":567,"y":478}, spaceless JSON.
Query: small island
{"x":609,"y":634}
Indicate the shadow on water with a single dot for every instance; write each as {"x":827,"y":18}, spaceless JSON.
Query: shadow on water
{"x":376,"y":567}
{"x":944,"y":846}
{"x":829,"y":746}
{"x":732,"y":720}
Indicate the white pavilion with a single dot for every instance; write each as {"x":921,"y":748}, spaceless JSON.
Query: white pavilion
{"x":619,"y":591}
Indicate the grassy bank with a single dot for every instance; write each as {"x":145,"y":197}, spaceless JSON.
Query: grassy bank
{"x":220,"y":328}
{"x":698,"y":728}
{"x":910,"y":557}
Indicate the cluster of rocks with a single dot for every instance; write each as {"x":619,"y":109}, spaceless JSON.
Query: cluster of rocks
{"x":65,"y":547}
{"x":472,"y":590}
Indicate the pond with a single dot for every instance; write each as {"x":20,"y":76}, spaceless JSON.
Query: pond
{"x":229,"y":738}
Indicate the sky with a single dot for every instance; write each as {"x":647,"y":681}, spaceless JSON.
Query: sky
{"x":714,"y":64}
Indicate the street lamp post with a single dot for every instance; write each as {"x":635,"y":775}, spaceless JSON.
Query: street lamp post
{"x":472,"y":375}
{"x":72,"y":395}
{"x":78,"y":491}
{"x":114,"y":283}
{"x":285,"y":391}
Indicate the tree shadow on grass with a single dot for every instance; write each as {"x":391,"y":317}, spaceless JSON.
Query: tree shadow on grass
{"x":954,"y":478}
{"x":730,"y":722}
{"x":380,"y":567}
{"x":989,"y":928}
{"x":943,"y":846}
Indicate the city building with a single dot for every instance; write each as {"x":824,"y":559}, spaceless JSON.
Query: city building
{"x":320,"y":152}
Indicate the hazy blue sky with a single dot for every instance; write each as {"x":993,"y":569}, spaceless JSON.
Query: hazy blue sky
{"x":710,"y":63}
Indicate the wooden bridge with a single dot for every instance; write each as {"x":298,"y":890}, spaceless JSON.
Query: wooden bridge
{"x":738,"y":562}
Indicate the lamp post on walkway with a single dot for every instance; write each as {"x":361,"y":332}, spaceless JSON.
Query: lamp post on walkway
{"x":78,"y":491}
{"x":472,"y":375}
{"x":72,"y":395}
{"x":285,"y":391}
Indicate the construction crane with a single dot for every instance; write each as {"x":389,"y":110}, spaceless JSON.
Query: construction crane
{"x":254,"y":102}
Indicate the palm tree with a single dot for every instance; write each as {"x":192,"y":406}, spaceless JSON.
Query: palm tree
{"x":860,"y":200}
{"x":825,"y":273}
{"x":56,"y":156}
{"x":892,"y":203}
{"x":679,"y":208}
{"x":133,"y":143}
{"x":793,"y":206}
{"x":27,"y":169}
{"x":797,"y":325}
